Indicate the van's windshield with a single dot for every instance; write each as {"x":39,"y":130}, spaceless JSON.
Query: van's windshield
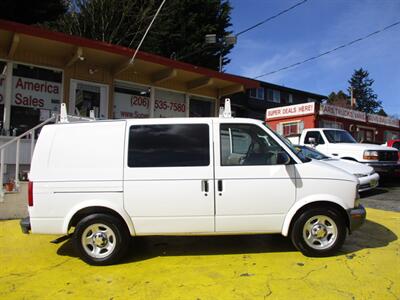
{"x":297,"y":152}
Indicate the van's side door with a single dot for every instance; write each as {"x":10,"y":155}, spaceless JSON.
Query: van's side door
{"x":168,"y":176}
{"x":254,"y":189}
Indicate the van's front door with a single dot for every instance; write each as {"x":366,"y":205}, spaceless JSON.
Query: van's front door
{"x":254,"y":187}
{"x":168,"y":176}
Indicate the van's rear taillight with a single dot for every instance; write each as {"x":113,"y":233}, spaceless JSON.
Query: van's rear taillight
{"x":30,"y":193}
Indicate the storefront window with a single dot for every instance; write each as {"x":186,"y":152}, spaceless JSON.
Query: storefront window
{"x":201,"y":107}
{"x":131,"y":101}
{"x":36,"y":94}
{"x":169,"y":104}
{"x":391,"y":135}
{"x":290,"y":128}
{"x":331,"y":124}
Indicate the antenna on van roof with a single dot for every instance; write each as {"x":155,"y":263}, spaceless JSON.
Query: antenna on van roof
{"x":226,"y":112}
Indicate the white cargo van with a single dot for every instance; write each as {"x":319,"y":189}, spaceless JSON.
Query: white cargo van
{"x":106,"y":181}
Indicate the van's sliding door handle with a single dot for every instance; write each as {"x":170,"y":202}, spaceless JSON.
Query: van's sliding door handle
{"x":220,"y":186}
{"x":204,"y":186}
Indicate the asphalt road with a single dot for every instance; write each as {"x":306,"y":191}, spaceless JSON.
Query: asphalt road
{"x":385,"y":197}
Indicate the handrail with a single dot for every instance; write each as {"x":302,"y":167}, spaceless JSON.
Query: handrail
{"x":54,"y":117}
{"x":17,"y":140}
{"x":63,"y":117}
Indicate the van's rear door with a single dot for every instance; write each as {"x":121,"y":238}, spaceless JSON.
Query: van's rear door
{"x":168,"y":176}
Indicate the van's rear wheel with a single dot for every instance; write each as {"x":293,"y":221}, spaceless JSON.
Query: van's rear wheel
{"x":319,"y":232}
{"x":100,"y":239}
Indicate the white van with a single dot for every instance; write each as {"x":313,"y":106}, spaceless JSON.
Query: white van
{"x":105,"y":181}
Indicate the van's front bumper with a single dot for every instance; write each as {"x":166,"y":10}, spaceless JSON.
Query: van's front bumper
{"x":25,"y":224}
{"x":357,"y":216}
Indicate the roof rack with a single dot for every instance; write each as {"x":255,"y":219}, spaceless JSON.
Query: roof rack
{"x":65,"y":118}
{"x":226,"y":112}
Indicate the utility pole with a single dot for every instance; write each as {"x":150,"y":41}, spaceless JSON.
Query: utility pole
{"x":352,"y":99}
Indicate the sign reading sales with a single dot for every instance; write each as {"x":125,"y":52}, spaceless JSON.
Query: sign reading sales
{"x":36,"y":93}
{"x":2,"y":88}
{"x":290,"y":111}
{"x":341,"y":112}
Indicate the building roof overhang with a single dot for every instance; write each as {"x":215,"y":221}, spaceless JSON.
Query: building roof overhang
{"x":63,"y":51}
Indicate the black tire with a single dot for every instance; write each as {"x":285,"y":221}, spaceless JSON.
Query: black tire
{"x":107,"y":239}
{"x":314,"y":235}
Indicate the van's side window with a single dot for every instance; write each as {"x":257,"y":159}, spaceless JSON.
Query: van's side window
{"x":245,"y":144}
{"x":170,"y":145}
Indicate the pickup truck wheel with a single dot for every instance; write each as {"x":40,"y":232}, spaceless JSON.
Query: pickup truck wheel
{"x":100,"y":239}
{"x":319,"y":232}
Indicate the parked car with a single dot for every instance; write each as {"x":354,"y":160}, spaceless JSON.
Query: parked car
{"x":105,"y":181}
{"x":340,"y":143}
{"x":366,"y":175}
{"x":394,"y":144}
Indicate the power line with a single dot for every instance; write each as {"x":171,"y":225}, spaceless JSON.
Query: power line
{"x":330,"y":51}
{"x":272,"y":17}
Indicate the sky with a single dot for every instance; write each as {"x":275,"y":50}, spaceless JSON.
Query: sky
{"x":312,"y":28}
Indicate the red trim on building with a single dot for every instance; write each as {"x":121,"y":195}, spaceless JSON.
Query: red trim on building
{"x":124,"y":51}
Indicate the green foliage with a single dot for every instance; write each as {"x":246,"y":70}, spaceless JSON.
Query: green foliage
{"x":31,"y":11}
{"x":178,"y":32}
{"x":363,"y":92}
{"x":339,"y":99}
{"x":381,"y":112}
{"x":181,"y":31}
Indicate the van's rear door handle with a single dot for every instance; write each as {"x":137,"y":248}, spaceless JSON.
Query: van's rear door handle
{"x":220,"y":186}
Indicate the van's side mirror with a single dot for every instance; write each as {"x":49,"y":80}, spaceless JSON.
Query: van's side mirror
{"x":283,"y":158}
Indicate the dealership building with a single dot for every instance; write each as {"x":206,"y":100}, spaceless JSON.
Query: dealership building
{"x":368,"y":128}
{"x":40,"y":69}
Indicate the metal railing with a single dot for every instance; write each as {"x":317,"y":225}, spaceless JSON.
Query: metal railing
{"x":63,"y":117}
{"x":17,"y":140}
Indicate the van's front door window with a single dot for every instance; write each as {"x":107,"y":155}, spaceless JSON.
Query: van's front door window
{"x":244,"y":144}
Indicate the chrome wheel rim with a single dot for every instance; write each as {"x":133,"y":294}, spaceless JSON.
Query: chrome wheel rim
{"x":320,"y":232}
{"x":98,"y":240}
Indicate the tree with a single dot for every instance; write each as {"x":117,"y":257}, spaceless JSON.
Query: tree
{"x":381,"y":112}
{"x":339,"y":99}
{"x":178,"y":31}
{"x":32,"y":11}
{"x":189,"y":21}
{"x":365,"y":97}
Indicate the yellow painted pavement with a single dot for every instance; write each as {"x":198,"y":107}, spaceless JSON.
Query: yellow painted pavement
{"x":226,"y":267}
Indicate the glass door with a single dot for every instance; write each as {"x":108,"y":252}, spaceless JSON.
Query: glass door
{"x":87,"y":96}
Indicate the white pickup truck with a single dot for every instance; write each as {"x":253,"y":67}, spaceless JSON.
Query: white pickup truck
{"x":340,"y":143}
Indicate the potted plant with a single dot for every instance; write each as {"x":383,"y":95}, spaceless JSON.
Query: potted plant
{"x":9,"y":186}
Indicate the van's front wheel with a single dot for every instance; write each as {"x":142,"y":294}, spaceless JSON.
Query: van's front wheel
{"x":100,"y":239}
{"x":319,"y":232}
